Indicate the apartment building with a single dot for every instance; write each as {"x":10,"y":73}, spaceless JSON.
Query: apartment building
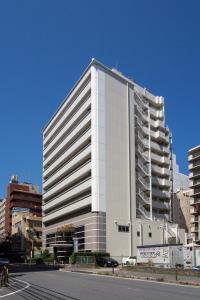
{"x":26,"y":232}
{"x":194,"y":176}
{"x":181,"y":209}
{"x":106,"y":164}
{"x":180,"y":180}
{"x":2,"y":219}
{"x":21,"y":195}
{"x":181,"y":198}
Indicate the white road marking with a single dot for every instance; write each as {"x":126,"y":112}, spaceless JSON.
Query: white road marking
{"x":26,"y":287}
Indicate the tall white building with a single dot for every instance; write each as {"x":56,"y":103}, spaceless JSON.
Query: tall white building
{"x":194,"y":170}
{"x":106,"y":164}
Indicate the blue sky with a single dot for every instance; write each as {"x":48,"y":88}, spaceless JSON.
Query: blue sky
{"x":46,"y":44}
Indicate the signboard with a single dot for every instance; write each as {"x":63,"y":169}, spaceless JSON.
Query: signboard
{"x":20,"y":209}
{"x":157,"y":255}
{"x":168,"y":255}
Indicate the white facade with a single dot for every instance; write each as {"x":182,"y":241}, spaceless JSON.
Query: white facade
{"x":2,"y":218}
{"x":106,"y":162}
{"x":194,"y":169}
{"x":180,"y":180}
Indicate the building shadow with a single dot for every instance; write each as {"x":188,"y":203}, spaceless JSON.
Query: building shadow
{"x":39,"y":292}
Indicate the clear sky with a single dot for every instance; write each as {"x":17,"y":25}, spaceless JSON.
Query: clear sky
{"x":46,"y":44}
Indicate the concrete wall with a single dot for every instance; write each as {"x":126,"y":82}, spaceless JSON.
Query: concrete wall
{"x":181,"y":209}
{"x":117,"y":164}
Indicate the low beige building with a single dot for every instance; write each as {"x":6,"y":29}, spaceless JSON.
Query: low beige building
{"x":27,"y":232}
{"x":181,"y":209}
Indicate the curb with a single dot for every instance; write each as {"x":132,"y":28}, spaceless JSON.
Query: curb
{"x":158,"y":280}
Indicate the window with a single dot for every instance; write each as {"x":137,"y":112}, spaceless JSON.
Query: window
{"x":123,"y":228}
{"x":138,"y":233}
{"x":150,"y":234}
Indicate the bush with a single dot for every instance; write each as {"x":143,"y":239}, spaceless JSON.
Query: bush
{"x":94,"y":254}
{"x":44,"y":257}
{"x":39,"y":261}
{"x":48,"y":259}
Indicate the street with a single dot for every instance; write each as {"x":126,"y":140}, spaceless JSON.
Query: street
{"x":49,"y":285}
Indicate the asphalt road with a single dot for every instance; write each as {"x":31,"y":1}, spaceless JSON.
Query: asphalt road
{"x":57,"y":285}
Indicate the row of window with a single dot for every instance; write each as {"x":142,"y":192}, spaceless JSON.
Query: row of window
{"x":125,"y":228}
{"x":70,"y":129}
{"x":69,"y":144}
{"x":69,"y":103}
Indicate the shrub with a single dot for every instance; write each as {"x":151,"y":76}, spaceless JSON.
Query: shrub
{"x":45,"y":256}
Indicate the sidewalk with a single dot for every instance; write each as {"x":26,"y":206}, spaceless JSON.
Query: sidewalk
{"x":170,"y":278}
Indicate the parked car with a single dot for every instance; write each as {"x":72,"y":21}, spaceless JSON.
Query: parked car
{"x":4,"y":261}
{"x":131,"y":260}
{"x":106,"y":262}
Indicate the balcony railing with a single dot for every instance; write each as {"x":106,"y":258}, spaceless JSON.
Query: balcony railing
{"x":144,"y":168}
{"x":143,"y":140}
{"x":144,"y":183}
{"x":143,"y":196}
{"x":145,"y":213}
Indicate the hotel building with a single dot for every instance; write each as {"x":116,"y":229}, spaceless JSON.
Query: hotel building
{"x":106,"y":165}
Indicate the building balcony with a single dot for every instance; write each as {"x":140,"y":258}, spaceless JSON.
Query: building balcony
{"x":143,"y":129}
{"x":161,"y":205}
{"x":160,"y":170}
{"x":69,"y":180}
{"x":69,"y":140}
{"x":156,"y":113}
{"x":194,"y":165}
{"x":78,"y":116}
{"x":144,"y":155}
{"x":159,"y":101}
{"x":196,"y":193}
{"x":160,"y":194}
{"x":145,"y":184}
{"x":78,"y":144}
{"x":143,"y":196}
{"x":49,"y":133}
{"x":71,"y":193}
{"x":81,"y":157}
{"x":194,"y":156}
{"x":157,"y":216}
{"x":194,"y":175}
{"x":67,"y":209}
{"x":161,"y":181}
{"x":193,"y":211}
{"x":194,"y":219}
{"x":143,"y":167}
{"x":160,"y":159}
{"x":143,"y":211}
{"x":160,"y":148}
{"x":160,"y":136}
{"x":142,"y":140}
{"x":158,"y":124}
{"x":194,"y":183}
{"x":194,"y":229}
{"x":142,"y":113}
